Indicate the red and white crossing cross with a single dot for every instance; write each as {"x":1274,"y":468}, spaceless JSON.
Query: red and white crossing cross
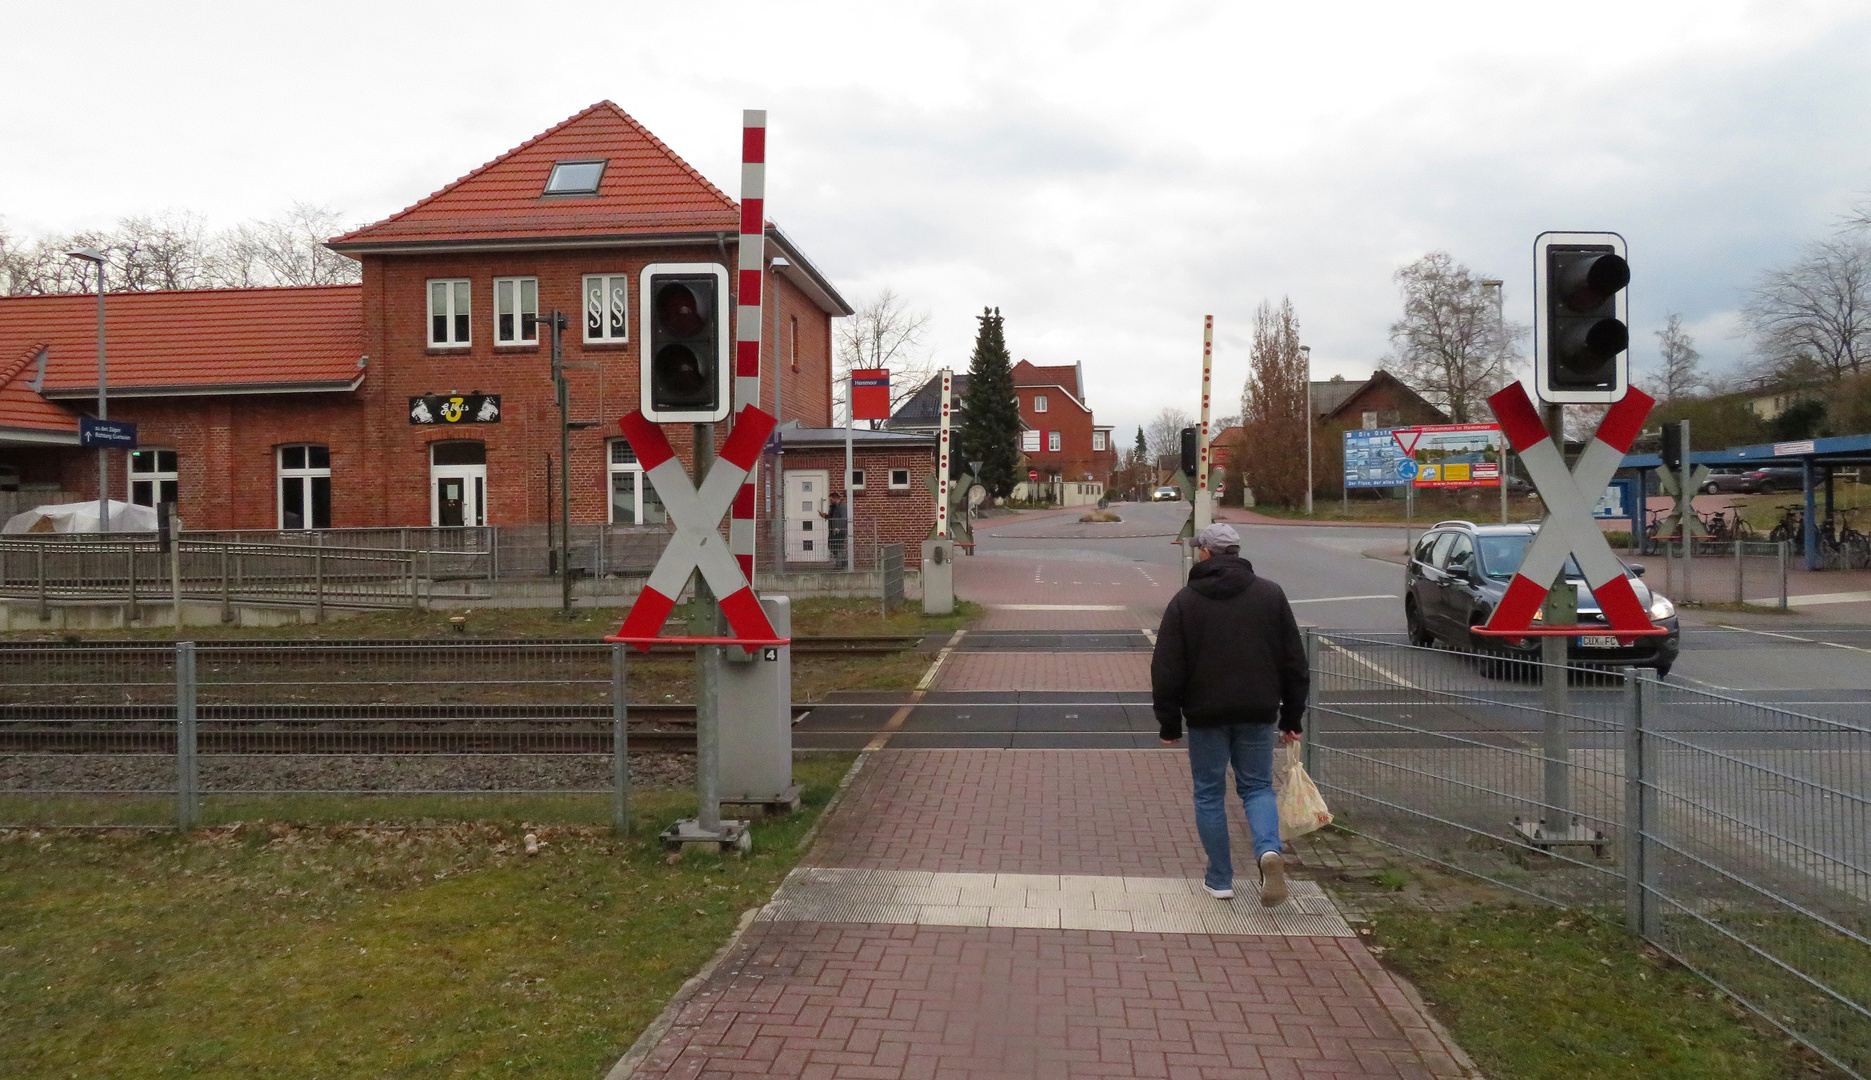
{"x":1569,"y":528}
{"x":748,"y":308}
{"x":697,"y":543}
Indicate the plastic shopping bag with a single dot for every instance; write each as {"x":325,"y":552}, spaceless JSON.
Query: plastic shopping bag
{"x":1302,"y":808}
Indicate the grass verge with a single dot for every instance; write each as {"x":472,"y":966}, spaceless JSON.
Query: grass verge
{"x":363,"y":950}
{"x":1542,"y":994}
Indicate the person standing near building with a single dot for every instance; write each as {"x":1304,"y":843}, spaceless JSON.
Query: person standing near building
{"x":1230,"y":663}
{"x":837,"y":525}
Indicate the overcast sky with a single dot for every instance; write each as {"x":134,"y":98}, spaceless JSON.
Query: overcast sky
{"x":1104,"y":173}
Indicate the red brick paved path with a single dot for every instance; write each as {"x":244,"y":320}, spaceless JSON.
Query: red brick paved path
{"x":833,"y":1000}
{"x":1045,"y":671}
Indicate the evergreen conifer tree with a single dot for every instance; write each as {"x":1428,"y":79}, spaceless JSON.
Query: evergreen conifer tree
{"x":991,"y":413}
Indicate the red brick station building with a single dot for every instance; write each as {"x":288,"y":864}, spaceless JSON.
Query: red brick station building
{"x":423,"y":395}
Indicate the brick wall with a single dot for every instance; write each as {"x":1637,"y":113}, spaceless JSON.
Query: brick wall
{"x":904,"y":516}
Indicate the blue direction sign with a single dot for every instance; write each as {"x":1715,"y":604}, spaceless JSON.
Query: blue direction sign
{"x":1407,"y":469}
{"x":117,"y":434}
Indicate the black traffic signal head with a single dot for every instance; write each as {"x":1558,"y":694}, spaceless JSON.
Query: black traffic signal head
{"x":1189,"y":452}
{"x":1672,"y":454}
{"x":1581,"y":338}
{"x":684,"y":358}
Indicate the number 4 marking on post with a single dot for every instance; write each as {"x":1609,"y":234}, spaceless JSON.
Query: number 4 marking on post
{"x":1569,"y":528}
{"x":697,"y":543}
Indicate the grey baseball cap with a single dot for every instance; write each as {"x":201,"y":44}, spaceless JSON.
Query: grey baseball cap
{"x":1217,"y":538}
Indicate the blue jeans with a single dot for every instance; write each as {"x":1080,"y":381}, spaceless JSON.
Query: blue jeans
{"x":1249,"y":748}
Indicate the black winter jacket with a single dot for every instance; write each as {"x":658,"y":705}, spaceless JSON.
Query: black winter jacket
{"x":1228,"y":652}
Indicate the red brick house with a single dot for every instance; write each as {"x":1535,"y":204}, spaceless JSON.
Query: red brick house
{"x":1073,"y":454}
{"x":423,"y":395}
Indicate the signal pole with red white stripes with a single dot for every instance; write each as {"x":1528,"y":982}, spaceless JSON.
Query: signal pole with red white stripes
{"x":747,"y":317}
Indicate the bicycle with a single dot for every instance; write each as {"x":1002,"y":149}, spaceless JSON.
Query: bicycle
{"x":1792,"y":523}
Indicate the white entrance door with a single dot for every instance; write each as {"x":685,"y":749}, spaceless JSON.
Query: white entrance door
{"x":806,"y":491}
{"x":457,"y":495}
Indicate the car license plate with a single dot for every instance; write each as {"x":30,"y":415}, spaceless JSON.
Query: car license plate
{"x":1598,"y":641}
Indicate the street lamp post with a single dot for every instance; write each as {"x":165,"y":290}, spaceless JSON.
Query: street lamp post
{"x":1500,"y":331}
{"x":1306,"y":351}
{"x":93,"y":255}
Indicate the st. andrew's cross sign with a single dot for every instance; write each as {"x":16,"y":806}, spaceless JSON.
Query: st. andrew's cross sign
{"x":697,"y":543}
{"x":1569,"y":528}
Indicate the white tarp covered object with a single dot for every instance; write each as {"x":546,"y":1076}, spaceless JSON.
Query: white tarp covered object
{"x":81,"y":517}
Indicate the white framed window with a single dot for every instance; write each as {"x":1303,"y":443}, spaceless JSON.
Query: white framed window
{"x":607,"y":307}
{"x":1052,"y":441}
{"x":1039,"y":402}
{"x":152,"y":477}
{"x":516,"y":311}
{"x":305,"y":487}
{"x":1029,"y":442}
{"x":899,"y":479}
{"x":857,"y":478}
{"x":1098,"y":440}
{"x":633,"y":501}
{"x":449,"y":312}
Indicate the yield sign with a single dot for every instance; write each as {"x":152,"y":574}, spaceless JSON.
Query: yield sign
{"x":1407,"y":439}
{"x":697,"y":543}
{"x":1569,"y":528}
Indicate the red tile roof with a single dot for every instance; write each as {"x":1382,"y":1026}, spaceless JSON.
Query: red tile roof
{"x":1027,"y":373}
{"x":21,"y":407}
{"x":646,"y":189}
{"x":207,"y":340}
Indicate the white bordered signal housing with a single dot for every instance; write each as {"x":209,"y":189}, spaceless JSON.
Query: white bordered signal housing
{"x":1544,"y":312}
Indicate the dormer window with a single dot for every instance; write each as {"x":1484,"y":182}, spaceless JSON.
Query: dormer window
{"x":575,"y":178}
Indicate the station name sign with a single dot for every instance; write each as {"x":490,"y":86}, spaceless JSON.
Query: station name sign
{"x":454,"y":409}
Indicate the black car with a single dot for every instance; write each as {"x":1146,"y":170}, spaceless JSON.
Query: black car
{"x":1459,"y":571}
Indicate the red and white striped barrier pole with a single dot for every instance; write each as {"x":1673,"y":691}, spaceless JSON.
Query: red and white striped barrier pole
{"x":747,"y":318}
{"x":948,"y":385}
{"x":1204,"y":498}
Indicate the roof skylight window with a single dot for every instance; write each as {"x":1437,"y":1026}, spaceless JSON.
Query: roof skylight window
{"x":575,"y":178}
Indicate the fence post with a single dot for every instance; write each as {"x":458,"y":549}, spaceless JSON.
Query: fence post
{"x":1307,"y":756}
{"x":45,"y":613}
{"x":1783,"y":575}
{"x":227,"y":595}
{"x":187,"y":806}
{"x":620,"y":743}
{"x":318,"y":574}
{"x":1642,"y":871}
{"x":415,"y":600}
{"x":129,"y":561}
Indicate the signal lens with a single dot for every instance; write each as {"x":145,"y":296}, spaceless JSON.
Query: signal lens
{"x":678,"y":311}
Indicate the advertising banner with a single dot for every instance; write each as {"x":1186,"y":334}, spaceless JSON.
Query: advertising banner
{"x":870,"y":393}
{"x":1453,"y":455}
{"x":1374,"y":460}
{"x":454,"y":409}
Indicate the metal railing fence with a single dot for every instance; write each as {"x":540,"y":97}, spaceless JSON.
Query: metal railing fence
{"x":1734,"y":836}
{"x":88,"y":727}
{"x":1724,"y":571}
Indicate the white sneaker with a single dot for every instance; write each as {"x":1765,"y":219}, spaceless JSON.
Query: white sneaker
{"x":1272,"y":880}
{"x":1219,"y":894}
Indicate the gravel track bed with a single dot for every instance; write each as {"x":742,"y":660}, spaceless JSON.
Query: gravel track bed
{"x":340,"y":772}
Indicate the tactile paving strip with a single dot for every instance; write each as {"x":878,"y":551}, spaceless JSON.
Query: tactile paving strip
{"x":1048,"y":901}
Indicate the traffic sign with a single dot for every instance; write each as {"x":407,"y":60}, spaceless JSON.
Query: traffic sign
{"x":1407,"y":469}
{"x":115,"y":434}
{"x":697,"y":543}
{"x":1569,"y":528}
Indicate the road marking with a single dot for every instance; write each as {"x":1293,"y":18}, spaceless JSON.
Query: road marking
{"x":1379,"y":668}
{"x":1813,"y":599}
{"x":1151,"y":634}
{"x":1766,"y":633}
{"x":891,"y":726}
{"x":1055,"y":607}
{"x":1710,"y":685}
{"x":1335,"y":599}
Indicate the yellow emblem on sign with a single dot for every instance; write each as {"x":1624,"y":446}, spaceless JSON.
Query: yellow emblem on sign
{"x":452,"y":409}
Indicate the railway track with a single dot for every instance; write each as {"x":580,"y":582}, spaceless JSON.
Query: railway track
{"x":346,"y":729}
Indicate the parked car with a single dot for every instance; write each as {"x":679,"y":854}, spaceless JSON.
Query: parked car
{"x":1166,"y":494}
{"x":1750,"y":481}
{"x":1458,"y":572}
{"x":1776,"y":478}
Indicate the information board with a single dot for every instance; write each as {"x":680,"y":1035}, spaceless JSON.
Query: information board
{"x":1453,"y":455}
{"x":1373,"y":459}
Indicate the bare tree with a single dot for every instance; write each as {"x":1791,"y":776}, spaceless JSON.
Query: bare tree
{"x":1451,"y":346}
{"x":885,"y":333}
{"x":1271,"y":452}
{"x":1164,"y":434}
{"x":1816,"y":312}
{"x":175,"y":250}
{"x":286,"y":250}
{"x":1678,"y":374}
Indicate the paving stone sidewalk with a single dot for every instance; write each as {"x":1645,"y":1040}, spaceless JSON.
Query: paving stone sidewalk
{"x":911,"y":994}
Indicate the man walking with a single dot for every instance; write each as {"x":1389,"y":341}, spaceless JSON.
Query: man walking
{"x":836,"y":525}
{"x":1230,"y":662}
